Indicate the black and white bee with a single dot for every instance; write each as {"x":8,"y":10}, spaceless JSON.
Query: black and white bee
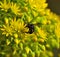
{"x":31,"y":28}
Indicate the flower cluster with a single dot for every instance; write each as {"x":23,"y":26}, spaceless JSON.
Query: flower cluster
{"x":13,"y":26}
{"x":13,"y":6}
{"x":28,"y":29}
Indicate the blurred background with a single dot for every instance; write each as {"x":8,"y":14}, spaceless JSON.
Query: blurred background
{"x":54,"y":5}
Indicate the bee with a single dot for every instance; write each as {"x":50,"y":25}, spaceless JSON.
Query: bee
{"x":31,"y":27}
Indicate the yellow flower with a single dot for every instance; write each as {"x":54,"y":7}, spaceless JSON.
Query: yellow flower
{"x":6,"y":20}
{"x":17,"y":41}
{"x":16,"y":35}
{"x":38,"y":4}
{"x":14,"y":27}
{"x":41,"y":32}
{"x":7,"y":30}
{"x":18,"y":25}
{"x":15,"y":8}
{"x":4,"y":5}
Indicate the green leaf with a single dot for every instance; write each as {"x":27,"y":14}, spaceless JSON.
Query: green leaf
{"x":21,"y":46}
{"x":24,"y":55}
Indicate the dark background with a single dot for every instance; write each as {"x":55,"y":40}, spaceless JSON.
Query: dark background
{"x":54,"y":5}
